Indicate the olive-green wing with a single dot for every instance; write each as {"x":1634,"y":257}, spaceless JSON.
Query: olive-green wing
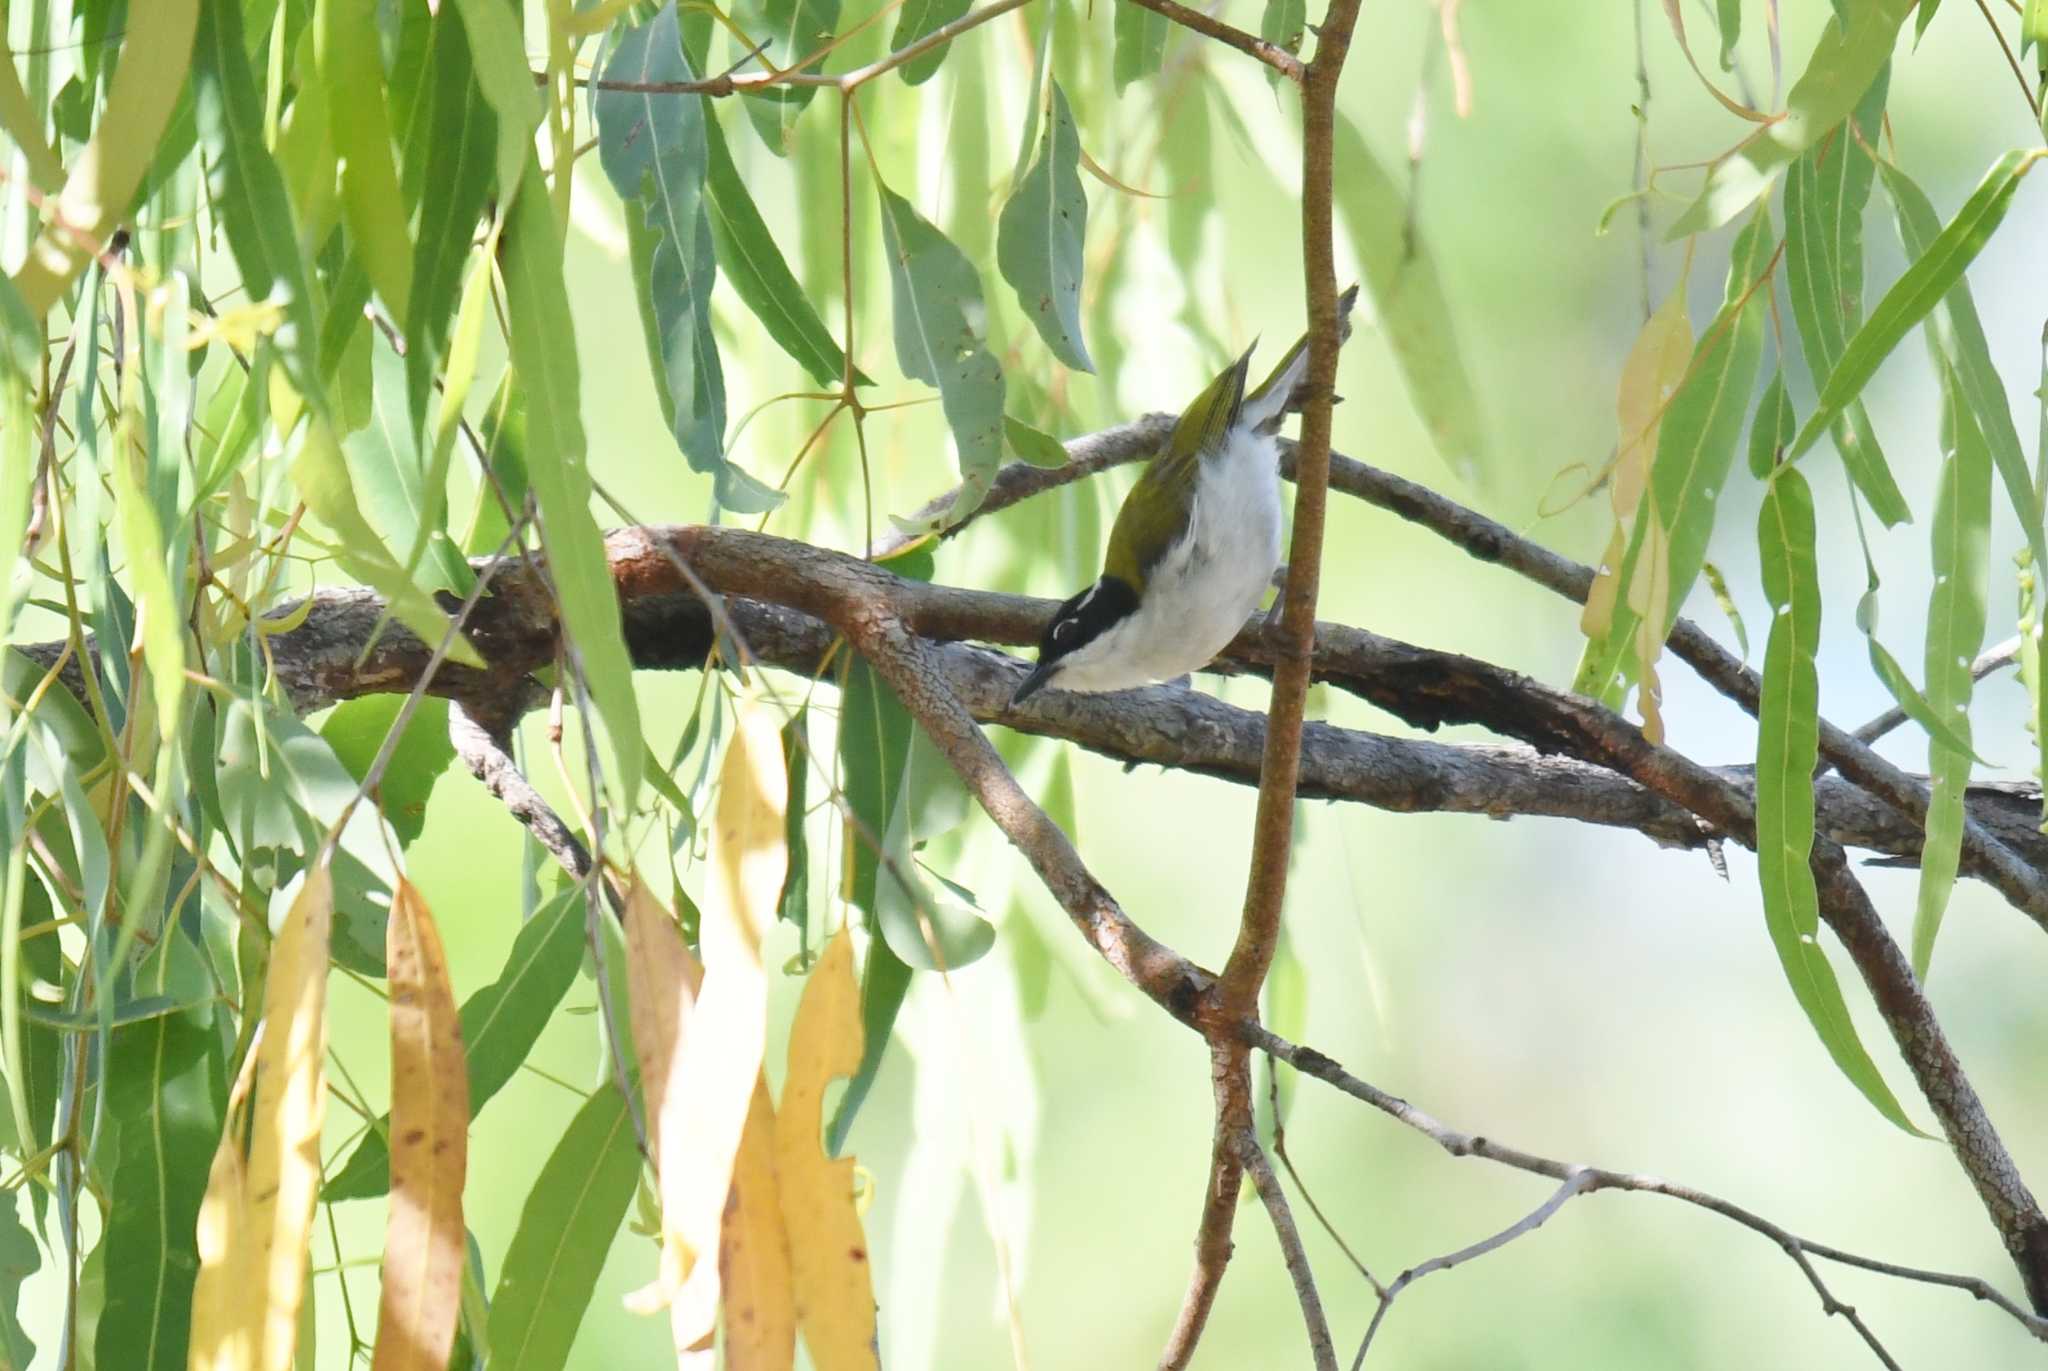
{"x":1155,"y":514}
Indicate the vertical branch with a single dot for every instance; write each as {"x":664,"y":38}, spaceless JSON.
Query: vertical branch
{"x":1235,"y":998}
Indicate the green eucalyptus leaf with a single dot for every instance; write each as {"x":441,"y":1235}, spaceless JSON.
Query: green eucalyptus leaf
{"x":1409,"y":302}
{"x":760,"y":275}
{"x":1032,"y":445}
{"x":1825,"y":194}
{"x":1040,"y":238}
{"x":543,"y":346}
{"x":571,"y":1217}
{"x":1934,"y":286}
{"x":1955,"y":634}
{"x":918,"y":19}
{"x":359,"y":119}
{"x":167,"y":1093}
{"x":20,"y":1258}
{"x":941,"y":339}
{"x":247,"y":190}
{"x":1140,"y":36}
{"x":357,"y":729}
{"x":1843,"y":64}
{"x":654,"y":151}
{"x":1788,"y":749}
{"x":389,"y":474}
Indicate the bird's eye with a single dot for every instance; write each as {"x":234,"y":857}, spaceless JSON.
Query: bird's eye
{"x":1062,"y":629}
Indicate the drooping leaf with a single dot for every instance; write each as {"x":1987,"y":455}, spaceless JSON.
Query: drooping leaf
{"x":1955,"y":633}
{"x":1696,"y":443}
{"x":424,"y":1245}
{"x":941,"y":339}
{"x":918,"y":19}
{"x":166,"y":1089}
{"x":700,"y":1101}
{"x":156,"y":54}
{"x":1408,"y":301}
{"x":500,"y":1024}
{"x":246,"y":188}
{"x":929,"y":934}
{"x":450,"y":150}
{"x":828,"y":1251}
{"x":498,"y":49}
{"x":1284,"y":23}
{"x":792,"y":31}
{"x":1771,"y":432}
{"x":1039,"y":238}
{"x":760,"y":1295}
{"x":543,"y":345}
{"x":347,"y":50}
{"x":1825,"y":193}
{"x":1729,"y":15}
{"x":1788,"y":748}
{"x":1935,"y":284}
{"x":565,"y":1231}
{"x":759,"y":275}
{"x":257,"y":1217}
{"x":19,"y":1260}
{"x":1843,"y":64}
{"x":654,"y":152}
{"x":1033,"y":445}
{"x":321,"y":473}
{"x":392,"y":481}
{"x":1140,"y":36}
{"x":793,"y":905}
{"x":663,"y":980}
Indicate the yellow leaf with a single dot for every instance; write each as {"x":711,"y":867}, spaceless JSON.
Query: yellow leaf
{"x":1655,"y":366}
{"x":257,"y":1218}
{"x":155,"y":55}
{"x":753,"y":1253}
{"x":424,"y":1246}
{"x":1598,"y":615}
{"x":709,"y":1086}
{"x":835,"y":1293}
{"x":1649,"y":595}
{"x":662,"y":979}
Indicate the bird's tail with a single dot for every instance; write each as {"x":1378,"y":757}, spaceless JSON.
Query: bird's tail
{"x":1285,"y":390}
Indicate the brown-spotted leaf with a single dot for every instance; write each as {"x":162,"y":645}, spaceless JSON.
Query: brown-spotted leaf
{"x":835,"y":1292}
{"x":424,"y":1243}
{"x":753,"y":1252}
{"x":257,"y":1219}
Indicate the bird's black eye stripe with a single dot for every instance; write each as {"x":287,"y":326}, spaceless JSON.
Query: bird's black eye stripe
{"x":1086,"y":617}
{"x":1062,"y":629}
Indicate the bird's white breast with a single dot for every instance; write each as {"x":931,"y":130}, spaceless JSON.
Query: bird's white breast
{"x":1207,"y":585}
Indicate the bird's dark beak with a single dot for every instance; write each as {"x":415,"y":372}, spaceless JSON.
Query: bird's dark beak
{"x":1033,"y":683}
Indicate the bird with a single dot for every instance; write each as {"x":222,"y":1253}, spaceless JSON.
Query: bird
{"x":1195,"y":545}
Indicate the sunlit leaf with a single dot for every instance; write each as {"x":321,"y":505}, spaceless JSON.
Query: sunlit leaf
{"x":1696,"y":442}
{"x":1843,"y":64}
{"x":1788,"y":748}
{"x":1039,"y":238}
{"x":156,"y":53}
{"x":19,"y":1259}
{"x":1771,"y":431}
{"x":753,"y":1253}
{"x":941,"y":339}
{"x":449,"y":152}
{"x":498,"y":48}
{"x":565,"y":1230}
{"x":1955,"y":633}
{"x":828,"y":1251}
{"x":257,"y":1218}
{"x":390,"y":476}
{"x":246,"y":188}
{"x":500,"y":1025}
{"x":662,"y":980}
{"x":359,"y":120}
{"x":1825,"y":192}
{"x":424,"y":1246}
{"x":1408,"y":302}
{"x":543,"y":345}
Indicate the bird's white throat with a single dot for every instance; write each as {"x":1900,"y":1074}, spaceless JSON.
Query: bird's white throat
{"x":1207,"y":584}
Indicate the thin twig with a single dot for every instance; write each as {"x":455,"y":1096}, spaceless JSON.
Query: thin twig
{"x":1273,"y":55}
{"x":1460,"y":1144}
{"x":1253,"y":1158}
{"x":1988,"y":661}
